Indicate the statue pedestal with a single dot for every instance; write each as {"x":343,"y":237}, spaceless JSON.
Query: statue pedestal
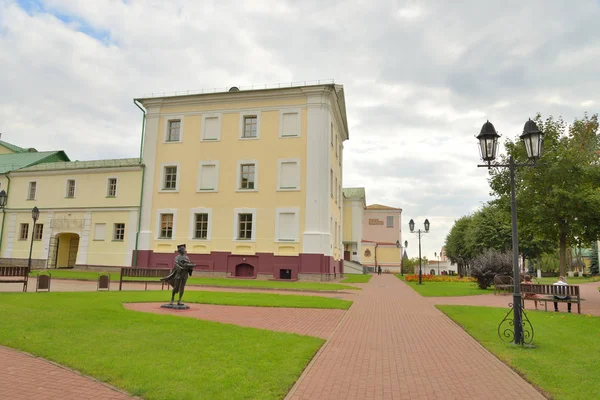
{"x":175,"y":306}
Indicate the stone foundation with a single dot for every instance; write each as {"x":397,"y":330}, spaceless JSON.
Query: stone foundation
{"x":22,"y":262}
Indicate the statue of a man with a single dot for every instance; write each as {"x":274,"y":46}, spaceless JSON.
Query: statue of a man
{"x":181,"y":270}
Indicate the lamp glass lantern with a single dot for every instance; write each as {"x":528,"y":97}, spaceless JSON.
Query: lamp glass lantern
{"x":411,"y":225}
{"x":488,"y":142}
{"x":3,"y":198}
{"x":35,"y":213}
{"x":533,"y":139}
{"x":426,"y":223}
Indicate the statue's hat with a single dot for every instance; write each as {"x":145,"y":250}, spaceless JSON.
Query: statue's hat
{"x":180,"y":246}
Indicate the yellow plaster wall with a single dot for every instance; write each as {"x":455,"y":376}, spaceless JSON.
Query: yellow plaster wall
{"x":388,"y":255}
{"x":5,"y":150}
{"x":347,"y":228}
{"x":109,"y":251}
{"x":336,"y":213}
{"x":266,"y":151}
{"x":90,"y":189}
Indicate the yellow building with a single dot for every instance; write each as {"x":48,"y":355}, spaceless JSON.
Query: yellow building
{"x":89,"y":210}
{"x":250,"y":180}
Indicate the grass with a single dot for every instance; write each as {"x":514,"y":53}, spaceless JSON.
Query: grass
{"x":355,"y":278}
{"x":571,"y":280}
{"x":221,"y":282}
{"x":444,"y":289}
{"x":567,"y":348}
{"x":161,"y":356}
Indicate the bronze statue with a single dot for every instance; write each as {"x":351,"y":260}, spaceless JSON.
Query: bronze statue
{"x":182,"y":268}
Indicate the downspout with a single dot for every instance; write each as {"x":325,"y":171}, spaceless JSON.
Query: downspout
{"x":137,"y":234}
{"x":4,"y":212}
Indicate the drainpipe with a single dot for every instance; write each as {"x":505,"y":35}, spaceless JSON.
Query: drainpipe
{"x":137,"y":234}
{"x":4,"y":212}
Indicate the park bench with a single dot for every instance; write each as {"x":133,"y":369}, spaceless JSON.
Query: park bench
{"x":545,"y":293}
{"x":143,"y":275}
{"x":15,"y":275}
{"x":503,"y":283}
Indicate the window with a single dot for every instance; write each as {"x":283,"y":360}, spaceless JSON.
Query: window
{"x":250,"y":126}
{"x":119,"y":232}
{"x":286,"y":229}
{"x":247,"y":172}
{"x":174,"y":128}
{"x":166,"y":226}
{"x":208,"y":176}
{"x":211,"y":129}
{"x":24,"y":234}
{"x":335,"y":235}
{"x":341,"y":147}
{"x":31,"y":192}
{"x":71,"y":188}
{"x":335,"y":188}
{"x":389,"y":221}
{"x":289,"y":123}
{"x":170,"y":178}
{"x":38,"y":231}
{"x":99,"y":231}
{"x":289,"y":174}
{"x":201,"y":226}
{"x":336,"y":147}
{"x":331,"y":182}
{"x":111,"y":189}
{"x":245,"y":226}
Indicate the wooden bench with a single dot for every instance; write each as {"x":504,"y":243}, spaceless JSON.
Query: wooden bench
{"x":143,"y":273}
{"x":503,"y":283}
{"x":17,"y":275}
{"x":545,"y":293}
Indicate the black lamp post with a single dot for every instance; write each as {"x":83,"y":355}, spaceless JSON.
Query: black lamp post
{"x":35,"y":214}
{"x":488,"y":145}
{"x":419,"y":232}
{"x":402,"y":265}
{"x":438,"y":259}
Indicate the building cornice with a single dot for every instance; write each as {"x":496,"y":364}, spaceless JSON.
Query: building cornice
{"x":76,"y":171}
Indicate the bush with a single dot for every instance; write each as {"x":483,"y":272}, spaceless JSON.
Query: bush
{"x":489,"y":264}
{"x":436,"y":278}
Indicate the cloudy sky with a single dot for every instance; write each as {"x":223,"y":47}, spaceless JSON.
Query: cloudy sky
{"x":420,"y":78}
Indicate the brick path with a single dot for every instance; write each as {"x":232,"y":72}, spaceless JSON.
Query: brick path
{"x":394,"y":344}
{"x":304,"y":321}
{"x":25,"y":377}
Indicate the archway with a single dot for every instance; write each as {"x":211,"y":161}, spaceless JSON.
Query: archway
{"x":63,"y":250}
{"x":432,"y":272}
{"x":244,"y":270}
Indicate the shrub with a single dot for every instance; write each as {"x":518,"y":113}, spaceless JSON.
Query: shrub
{"x":489,"y":264}
{"x":437,"y":278}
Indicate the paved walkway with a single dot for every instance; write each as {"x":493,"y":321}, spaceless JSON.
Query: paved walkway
{"x":304,"y":321}
{"x":394,"y":344}
{"x":25,"y":377}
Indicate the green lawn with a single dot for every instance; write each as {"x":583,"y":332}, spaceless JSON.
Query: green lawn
{"x":443,"y":289}
{"x":355,"y":278}
{"x":222,"y":282}
{"x":570,"y":280}
{"x":161,"y":356}
{"x":564,"y":361}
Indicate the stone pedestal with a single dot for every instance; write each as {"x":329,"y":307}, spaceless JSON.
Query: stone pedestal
{"x":175,"y":306}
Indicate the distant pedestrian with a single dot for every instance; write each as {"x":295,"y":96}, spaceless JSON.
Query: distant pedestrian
{"x":379,"y":270}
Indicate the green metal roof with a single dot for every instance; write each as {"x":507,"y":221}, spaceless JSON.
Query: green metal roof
{"x":351,"y":193}
{"x":12,"y":147}
{"x":13,"y":162}
{"x":114,"y":163}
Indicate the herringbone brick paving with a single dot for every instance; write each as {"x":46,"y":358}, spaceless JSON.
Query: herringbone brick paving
{"x":394,"y":344}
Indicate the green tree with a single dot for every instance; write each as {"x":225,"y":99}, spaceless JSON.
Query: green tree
{"x":594,"y":270}
{"x":559,"y":199}
{"x":458,"y":244}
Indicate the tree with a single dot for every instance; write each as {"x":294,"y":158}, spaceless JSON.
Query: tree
{"x":594,"y":270}
{"x":457,"y":244}
{"x":559,"y":199}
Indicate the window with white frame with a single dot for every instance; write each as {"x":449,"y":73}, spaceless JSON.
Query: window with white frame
{"x":111,"y":187}
{"x":287,"y":225}
{"x":166,"y":226}
{"x":250,"y":126}
{"x":247,"y":176}
{"x":289,"y":123}
{"x":32,"y":191}
{"x":335,"y":190}
{"x":389,"y":221}
{"x":173,"y":130}
{"x":244,"y":226}
{"x":170,"y":178}
{"x":208,"y":176}
{"x":211,"y":127}
{"x":70,"y":188}
{"x":38,"y":231}
{"x":335,"y":235}
{"x":289,"y":174}
{"x":24,"y":232}
{"x":119,"y":231}
{"x":99,"y":231}
{"x":201,"y":226}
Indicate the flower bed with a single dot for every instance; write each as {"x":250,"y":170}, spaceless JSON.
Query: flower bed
{"x":438,"y":278}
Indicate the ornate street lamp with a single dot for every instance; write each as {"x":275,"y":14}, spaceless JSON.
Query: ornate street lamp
{"x":488,"y":144}
{"x":3,"y":198}
{"x":419,"y":232}
{"x":35,"y":214}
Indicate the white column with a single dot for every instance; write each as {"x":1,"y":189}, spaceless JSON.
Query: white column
{"x":11,"y":232}
{"x":84,"y":239}
{"x":131,"y":229}
{"x":151,"y":135}
{"x":317,"y":232}
{"x":47,"y":234}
